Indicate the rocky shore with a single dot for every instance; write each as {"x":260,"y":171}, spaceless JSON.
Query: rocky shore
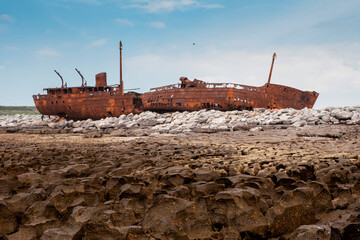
{"x":148,"y":123}
{"x":261,"y":180}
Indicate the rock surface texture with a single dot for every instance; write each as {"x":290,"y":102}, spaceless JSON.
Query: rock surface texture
{"x":255,"y":182}
{"x":150,"y":123}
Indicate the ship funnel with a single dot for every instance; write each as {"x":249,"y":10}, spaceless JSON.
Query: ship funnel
{"x":272,"y":65}
{"x":121,"y":81}
{"x":62,"y":80}
{"x":82,"y":77}
{"x":101,"y":79}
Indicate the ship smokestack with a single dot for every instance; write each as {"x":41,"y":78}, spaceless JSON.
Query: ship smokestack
{"x":121,"y":81}
{"x":272,"y":65}
{"x":100,"y":80}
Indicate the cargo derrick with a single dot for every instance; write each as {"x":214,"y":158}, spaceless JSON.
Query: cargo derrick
{"x":85,"y":102}
{"x":196,"y":95}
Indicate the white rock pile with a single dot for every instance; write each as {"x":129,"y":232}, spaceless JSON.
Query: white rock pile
{"x":200,"y":121}
{"x":22,"y":120}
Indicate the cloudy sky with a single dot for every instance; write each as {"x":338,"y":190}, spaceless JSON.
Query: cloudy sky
{"x":317,"y":43}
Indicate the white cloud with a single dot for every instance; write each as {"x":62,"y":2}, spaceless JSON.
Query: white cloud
{"x":6,"y":18}
{"x":154,"y":6}
{"x":96,"y":43}
{"x":2,"y":67}
{"x":159,"y":25}
{"x":48,"y":52}
{"x":125,"y":22}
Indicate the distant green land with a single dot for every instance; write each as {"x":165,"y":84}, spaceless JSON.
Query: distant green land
{"x":11,"y":110}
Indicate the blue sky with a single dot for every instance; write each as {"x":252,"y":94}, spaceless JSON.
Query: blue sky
{"x":317,"y":43}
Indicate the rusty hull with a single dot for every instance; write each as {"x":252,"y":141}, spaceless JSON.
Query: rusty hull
{"x":196,"y":95}
{"x":102,"y":101}
{"x":85,"y":102}
{"x":82,"y":103}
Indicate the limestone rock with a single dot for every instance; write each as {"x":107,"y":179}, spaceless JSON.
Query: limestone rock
{"x":320,"y":232}
{"x":161,"y":219}
{"x":8,"y":221}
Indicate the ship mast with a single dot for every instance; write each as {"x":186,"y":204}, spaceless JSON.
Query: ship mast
{"x":272,"y":65}
{"x":121,"y":81}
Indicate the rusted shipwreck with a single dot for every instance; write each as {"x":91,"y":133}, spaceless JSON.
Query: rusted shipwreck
{"x":195,"y":95}
{"x":104,"y":100}
{"x":83,"y":102}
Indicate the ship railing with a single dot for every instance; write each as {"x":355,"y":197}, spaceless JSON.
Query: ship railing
{"x":209,"y":85}
{"x":227,"y":85}
{"x":83,"y":90}
{"x":82,"y":94}
{"x":168,"y":87}
{"x":40,"y":96}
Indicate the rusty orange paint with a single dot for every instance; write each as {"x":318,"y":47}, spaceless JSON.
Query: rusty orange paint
{"x":80,"y":104}
{"x":102,"y":100}
{"x":85,"y":102}
{"x":196,"y":95}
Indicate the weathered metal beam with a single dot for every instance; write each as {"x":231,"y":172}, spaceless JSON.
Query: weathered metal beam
{"x":271,"y":69}
{"x":121,"y":80}
{"x":62,"y":80}
{"x":82,"y":77}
